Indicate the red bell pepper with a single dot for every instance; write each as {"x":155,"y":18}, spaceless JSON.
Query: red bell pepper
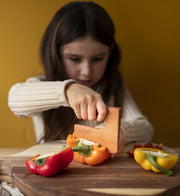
{"x":50,"y":164}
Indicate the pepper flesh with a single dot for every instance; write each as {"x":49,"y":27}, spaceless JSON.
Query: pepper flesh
{"x":31,"y":165}
{"x":98,"y":154}
{"x":50,"y":165}
{"x":155,"y":160}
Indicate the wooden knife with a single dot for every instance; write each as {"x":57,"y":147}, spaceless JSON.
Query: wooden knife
{"x":107,"y":136}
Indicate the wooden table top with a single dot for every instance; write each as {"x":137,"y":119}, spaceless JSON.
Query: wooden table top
{"x":119,"y":176}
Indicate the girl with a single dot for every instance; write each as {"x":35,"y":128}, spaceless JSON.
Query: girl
{"x":81,"y":78}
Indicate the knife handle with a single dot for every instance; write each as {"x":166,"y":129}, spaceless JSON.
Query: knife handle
{"x":107,"y":136}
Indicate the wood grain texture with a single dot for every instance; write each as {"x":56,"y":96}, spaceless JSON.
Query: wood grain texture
{"x":120,"y":172}
{"x":119,"y":176}
{"x":107,"y":136}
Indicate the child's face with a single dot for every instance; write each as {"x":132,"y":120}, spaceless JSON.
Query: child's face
{"x":85,"y":60}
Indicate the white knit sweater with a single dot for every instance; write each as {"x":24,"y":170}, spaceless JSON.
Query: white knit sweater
{"x":35,"y":96}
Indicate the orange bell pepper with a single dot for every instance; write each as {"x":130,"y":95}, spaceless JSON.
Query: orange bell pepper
{"x":85,"y":153}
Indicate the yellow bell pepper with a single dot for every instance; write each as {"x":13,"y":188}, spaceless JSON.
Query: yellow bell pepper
{"x":155,"y":160}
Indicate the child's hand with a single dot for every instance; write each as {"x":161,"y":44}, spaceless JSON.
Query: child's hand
{"x":86,"y":103}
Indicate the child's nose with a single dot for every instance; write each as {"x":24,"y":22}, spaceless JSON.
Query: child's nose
{"x":85,"y":69}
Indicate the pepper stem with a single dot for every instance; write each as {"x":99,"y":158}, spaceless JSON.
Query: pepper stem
{"x":152,"y":160}
{"x":40,"y":161}
{"x":83,"y":149}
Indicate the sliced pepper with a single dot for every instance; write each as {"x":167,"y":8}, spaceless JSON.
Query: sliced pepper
{"x":155,"y":160}
{"x":147,"y":145}
{"x":86,"y":151}
{"x":50,"y":164}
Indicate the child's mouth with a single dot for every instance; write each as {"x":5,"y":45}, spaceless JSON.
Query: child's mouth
{"x":84,"y":82}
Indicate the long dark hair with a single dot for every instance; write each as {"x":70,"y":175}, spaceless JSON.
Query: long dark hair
{"x":72,"y":21}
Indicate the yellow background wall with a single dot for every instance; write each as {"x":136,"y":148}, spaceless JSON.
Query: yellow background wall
{"x":148,"y":32}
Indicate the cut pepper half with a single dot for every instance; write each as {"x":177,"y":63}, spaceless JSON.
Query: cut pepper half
{"x":86,"y":151}
{"x":155,"y":160}
{"x":50,"y":164}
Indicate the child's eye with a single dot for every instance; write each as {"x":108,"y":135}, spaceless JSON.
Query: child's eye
{"x":96,"y":59}
{"x":75,"y":59}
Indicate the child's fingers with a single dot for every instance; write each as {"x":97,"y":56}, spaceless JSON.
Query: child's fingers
{"x":101,"y":111}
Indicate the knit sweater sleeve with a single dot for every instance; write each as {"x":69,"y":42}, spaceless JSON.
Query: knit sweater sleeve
{"x":135,"y":126}
{"x":34,"y":96}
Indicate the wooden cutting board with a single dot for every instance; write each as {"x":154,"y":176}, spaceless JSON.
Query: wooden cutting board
{"x":121,"y":175}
